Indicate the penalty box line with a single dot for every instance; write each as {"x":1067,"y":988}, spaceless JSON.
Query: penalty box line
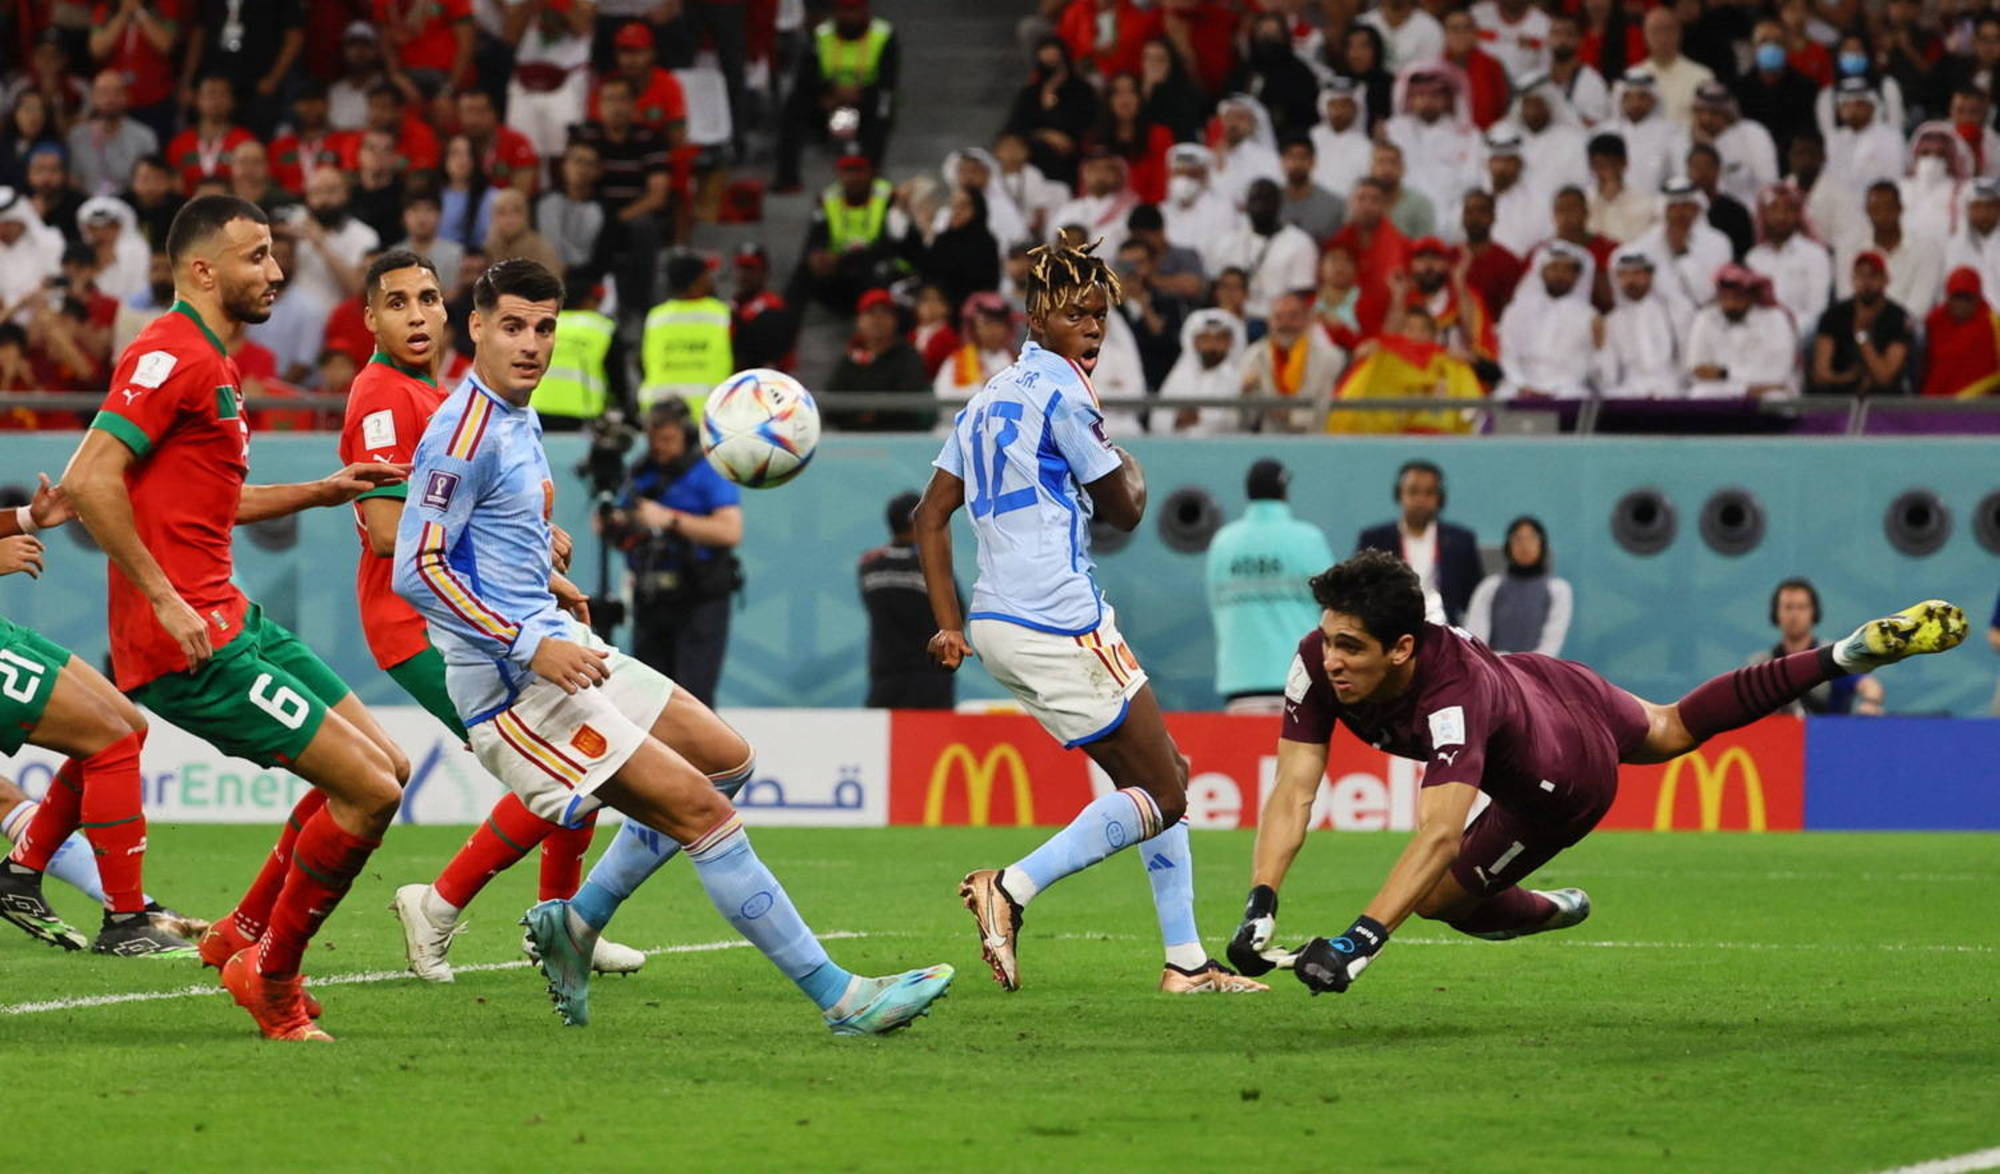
{"x":1988,"y":1159}
{"x":1586,"y":944}
{"x":365,"y":976}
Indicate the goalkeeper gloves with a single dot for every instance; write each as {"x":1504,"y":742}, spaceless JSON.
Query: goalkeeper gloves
{"x":1260,"y":920}
{"x":1334,"y":965}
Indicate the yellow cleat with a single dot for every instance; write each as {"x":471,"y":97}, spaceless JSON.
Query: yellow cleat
{"x":1931,"y":626}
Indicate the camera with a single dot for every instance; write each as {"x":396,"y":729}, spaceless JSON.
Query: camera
{"x":603,"y":465}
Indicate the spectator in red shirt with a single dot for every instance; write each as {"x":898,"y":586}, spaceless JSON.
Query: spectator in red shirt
{"x":504,"y":154}
{"x":1492,"y":271}
{"x":1377,"y":248}
{"x":202,"y":150}
{"x":312,"y":142}
{"x":1485,"y":78}
{"x":763,"y":324}
{"x":1124,"y":130}
{"x":136,"y":38}
{"x":657,"y":94}
{"x":1104,"y":36}
{"x":1204,"y":32}
{"x":430,"y":39}
{"x":416,"y":143}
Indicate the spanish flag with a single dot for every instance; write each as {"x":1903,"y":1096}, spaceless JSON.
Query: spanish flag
{"x":1397,"y":367}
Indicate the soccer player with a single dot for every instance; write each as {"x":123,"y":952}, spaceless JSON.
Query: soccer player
{"x":1541,"y":737}
{"x":1032,"y":443}
{"x":159,"y":480}
{"x":567,"y":723}
{"x":391,"y":401}
{"x":52,"y":699}
{"x":75,"y":864}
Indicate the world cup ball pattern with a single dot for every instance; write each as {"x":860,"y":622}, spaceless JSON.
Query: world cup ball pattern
{"x":760,"y":428}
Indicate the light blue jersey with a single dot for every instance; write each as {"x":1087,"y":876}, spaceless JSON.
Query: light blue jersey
{"x":1025,"y":447}
{"x":472,"y":552}
{"x":1258,"y":596}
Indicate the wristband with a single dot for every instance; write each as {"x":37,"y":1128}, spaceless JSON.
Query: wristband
{"x":24,"y":517}
{"x":1362,"y":939}
{"x":1263,"y":902}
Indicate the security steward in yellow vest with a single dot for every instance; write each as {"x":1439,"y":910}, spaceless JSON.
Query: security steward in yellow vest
{"x":848,"y":247}
{"x":586,"y":372}
{"x":853,"y":64}
{"x":686,"y":350}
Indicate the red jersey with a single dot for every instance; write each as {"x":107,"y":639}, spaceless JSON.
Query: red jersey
{"x":294,"y":158}
{"x":387,"y":409}
{"x":434,"y":45}
{"x":197,"y":158}
{"x":176,"y":401}
{"x":149,"y":73}
{"x":661,"y":104}
{"x":508,"y":154}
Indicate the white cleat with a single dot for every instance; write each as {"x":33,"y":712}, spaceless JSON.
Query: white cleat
{"x":606,"y":957}
{"x":426,"y":941}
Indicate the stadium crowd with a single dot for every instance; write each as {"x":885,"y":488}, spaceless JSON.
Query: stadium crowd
{"x":1311,"y":199}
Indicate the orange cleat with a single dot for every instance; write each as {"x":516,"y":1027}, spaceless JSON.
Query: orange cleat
{"x":224,"y":940}
{"x":278,"y":1005}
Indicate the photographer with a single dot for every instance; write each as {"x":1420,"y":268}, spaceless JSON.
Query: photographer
{"x":679,"y":522}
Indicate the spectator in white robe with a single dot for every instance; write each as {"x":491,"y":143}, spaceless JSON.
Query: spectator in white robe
{"x":1553,"y":139}
{"x":1748,"y":154}
{"x":1433,"y":127}
{"x":1549,"y":335}
{"x":1520,"y":212}
{"x":1649,"y":136}
{"x":1120,"y":374}
{"x":1799,"y":266}
{"x":1277,"y":256}
{"x":1408,"y":31}
{"x":1641,"y":356}
{"x":1915,"y":256}
{"x":1976,"y":244}
{"x":1861,"y":148}
{"x":1341,"y":146}
{"x":1936,"y":177}
{"x":111,"y":228}
{"x":975,"y":169}
{"x":30,"y":252}
{"x":1033,"y":194}
{"x":1249,"y":148}
{"x":1972,"y":117}
{"x":1743,"y":345}
{"x":1687,"y":252}
{"x":1197,"y":216}
{"x":1296,"y":360}
{"x":1210,"y":367}
{"x":1104,"y":200}
{"x":1853,"y":68}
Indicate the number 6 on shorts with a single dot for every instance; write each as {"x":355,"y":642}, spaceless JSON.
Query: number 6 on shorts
{"x":282,"y":703}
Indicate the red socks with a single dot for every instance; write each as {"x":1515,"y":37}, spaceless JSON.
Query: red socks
{"x":325,"y":861}
{"x":114,"y":821}
{"x":1512,"y":908}
{"x":508,"y":834}
{"x":1741,"y":697}
{"x":254,"y":910}
{"x":562,"y":859}
{"x":55,"y":819}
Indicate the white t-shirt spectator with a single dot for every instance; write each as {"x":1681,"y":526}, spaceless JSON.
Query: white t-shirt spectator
{"x":1520,"y":45}
{"x":1641,"y":357}
{"x":350,"y":242}
{"x":1801,"y":273}
{"x":1282,"y":262}
{"x":1419,"y":38}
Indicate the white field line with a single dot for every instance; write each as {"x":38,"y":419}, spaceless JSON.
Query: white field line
{"x":189,"y":992}
{"x":1574,"y":943}
{"x":1962,"y":1164}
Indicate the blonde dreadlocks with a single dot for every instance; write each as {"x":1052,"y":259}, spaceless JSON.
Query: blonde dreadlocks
{"x":1061,"y":273}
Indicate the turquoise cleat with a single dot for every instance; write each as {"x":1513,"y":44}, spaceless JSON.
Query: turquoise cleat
{"x":894,"y":1001}
{"x":564,"y":961}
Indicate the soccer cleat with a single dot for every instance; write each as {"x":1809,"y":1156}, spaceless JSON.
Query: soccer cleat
{"x":426,"y":940}
{"x":277,"y":1004}
{"x":894,"y":1001}
{"x":1930,"y":626}
{"x":607,"y":957}
{"x":177,"y":923}
{"x":564,"y":961}
{"x":1572,"y":908}
{"x":140,"y":935}
{"x":1211,"y":978}
{"x":224,"y":940}
{"x":21,"y":902}
{"x":999,"y":921}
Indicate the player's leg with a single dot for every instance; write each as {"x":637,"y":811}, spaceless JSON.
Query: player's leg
{"x":1738,"y":698}
{"x":1482,"y":895}
{"x":99,"y":789}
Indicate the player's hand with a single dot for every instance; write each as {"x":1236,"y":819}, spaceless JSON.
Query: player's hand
{"x":360,"y":477}
{"x":187,"y":628}
{"x":571,"y":599}
{"x":1333,"y":965}
{"x":570,"y":665}
{"x":21,"y":552}
{"x":561,"y":546}
{"x":51,"y":506}
{"x":1253,"y":937}
{"x":950,"y":649}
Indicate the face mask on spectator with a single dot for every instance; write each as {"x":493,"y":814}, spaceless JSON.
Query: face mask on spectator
{"x":1853,"y":64}
{"x":1770,"y":57}
{"x":1182,"y":189}
{"x":1930,"y":169}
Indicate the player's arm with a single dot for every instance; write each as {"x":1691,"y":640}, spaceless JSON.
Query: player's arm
{"x":1120,"y":495}
{"x":932,"y":523}
{"x":380,"y":516}
{"x":1281,"y":831}
{"x":261,"y":502}
{"x":95,"y":482}
{"x":49,"y":508}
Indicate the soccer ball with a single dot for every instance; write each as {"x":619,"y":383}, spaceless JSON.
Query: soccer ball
{"x":760,"y":428}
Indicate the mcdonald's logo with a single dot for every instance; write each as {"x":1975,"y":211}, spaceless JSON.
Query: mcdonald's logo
{"x":1711,"y":783}
{"x":979,"y":775}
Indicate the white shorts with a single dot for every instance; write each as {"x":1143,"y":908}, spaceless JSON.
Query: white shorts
{"x":554,"y":749}
{"x":1078,"y":687}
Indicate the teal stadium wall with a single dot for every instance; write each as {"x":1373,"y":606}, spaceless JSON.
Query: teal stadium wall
{"x":1656,"y":625}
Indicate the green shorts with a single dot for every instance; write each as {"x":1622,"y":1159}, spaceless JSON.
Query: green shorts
{"x":422,"y":677}
{"x":262,"y":696}
{"x":29,"y":665}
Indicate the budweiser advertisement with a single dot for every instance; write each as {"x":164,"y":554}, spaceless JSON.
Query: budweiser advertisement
{"x":1002,"y":770}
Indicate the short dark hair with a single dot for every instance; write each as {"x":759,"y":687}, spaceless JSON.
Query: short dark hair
{"x":620,"y":80}
{"x":203,"y":217}
{"x":422,"y":196}
{"x":901,"y":509}
{"x":1296,"y":139}
{"x":1145,"y":218}
{"x":388,"y":263}
{"x":1705,"y":149}
{"x":1795,"y":583}
{"x":388,"y":90}
{"x":1377,"y":588}
{"x":520,"y":277}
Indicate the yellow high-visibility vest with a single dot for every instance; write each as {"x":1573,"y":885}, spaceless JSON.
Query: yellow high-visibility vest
{"x":575,"y":383}
{"x":851,"y":63}
{"x":686,"y":351}
{"x":847,"y":225}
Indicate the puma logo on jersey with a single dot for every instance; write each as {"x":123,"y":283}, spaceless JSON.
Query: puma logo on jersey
{"x":130,"y":394}
{"x":1449,"y":756}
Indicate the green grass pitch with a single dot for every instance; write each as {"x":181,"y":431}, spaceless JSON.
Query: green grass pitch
{"x":1783,"y":1002}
